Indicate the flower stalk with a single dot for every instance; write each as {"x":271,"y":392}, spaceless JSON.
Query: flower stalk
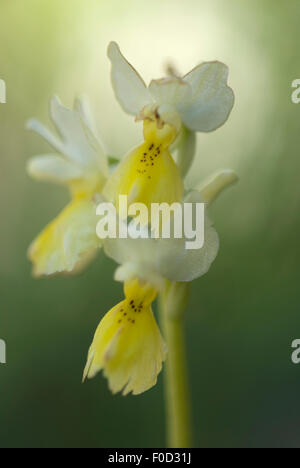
{"x":178,"y":410}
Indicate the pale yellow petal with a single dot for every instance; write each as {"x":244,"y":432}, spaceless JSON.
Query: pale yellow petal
{"x":68,"y":242}
{"x":128,"y":346}
{"x":53,"y":168}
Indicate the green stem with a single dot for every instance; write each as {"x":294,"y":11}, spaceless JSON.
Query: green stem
{"x":172,"y":305}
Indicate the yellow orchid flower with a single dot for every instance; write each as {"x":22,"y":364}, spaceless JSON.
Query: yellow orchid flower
{"x":127,"y":345}
{"x":148,"y":174}
{"x":70,"y":241}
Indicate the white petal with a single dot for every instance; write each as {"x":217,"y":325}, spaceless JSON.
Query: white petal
{"x":212,"y":188}
{"x":173,"y":91}
{"x":130,"y":89}
{"x":77,"y":141}
{"x":79,"y":144}
{"x":212,"y":98}
{"x":82,"y":106}
{"x":90,"y":130}
{"x":153,"y":260}
{"x":53,"y":168}
{"x":187,"y":265}
{"x":137,"y":257}
{"x":37,"y":127}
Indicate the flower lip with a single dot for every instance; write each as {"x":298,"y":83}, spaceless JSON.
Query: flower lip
{"x":128,"y":345}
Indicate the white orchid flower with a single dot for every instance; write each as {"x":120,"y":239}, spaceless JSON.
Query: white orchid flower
{"x":202,"y":97}
{"x":201,"y":100}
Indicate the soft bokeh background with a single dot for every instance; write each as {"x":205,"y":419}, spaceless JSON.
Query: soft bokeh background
{"x":245,"y":313}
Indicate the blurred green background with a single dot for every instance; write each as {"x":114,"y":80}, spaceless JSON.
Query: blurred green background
{"x":244,"y":314}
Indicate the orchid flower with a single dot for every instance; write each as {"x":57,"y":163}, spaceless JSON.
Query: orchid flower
{"x":199,"y":101}
{"x":127,"y":345}
{"x":69,"y":242}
